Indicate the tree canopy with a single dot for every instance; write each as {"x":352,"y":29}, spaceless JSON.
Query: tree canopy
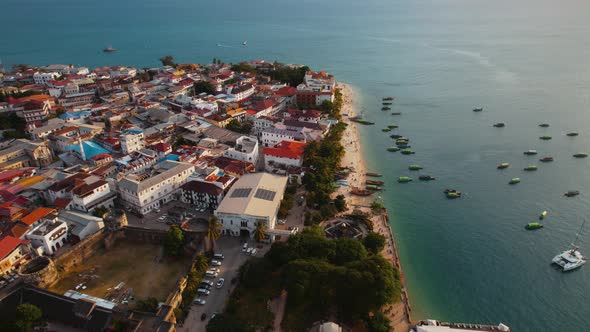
{"x":374,"y":242}
{"x":174,"y":241}
{"x":239,"y":127}
{"x":204,"y":86}
{"x":168,"y":60}
{"x":27,"y":317}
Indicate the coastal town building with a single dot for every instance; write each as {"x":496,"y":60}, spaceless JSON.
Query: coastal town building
{"x":202,"y":195}
{"x":50,"y":235}
{"x":252,"y":199}
{"x":24,"y":153}
{"x":246,"y":149}
{"x":284,"y":155}
{"x":143,"y":193}
{"x":316,"y":88}
{"x":13,"y":252}
{"x":131,"y":141}
{"x":80,"y":225}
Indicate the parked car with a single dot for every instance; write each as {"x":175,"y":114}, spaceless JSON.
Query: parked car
{"x":157,"y":210}
{"x":162,"y":218}
{"x":204,"y":286}
{"x":208,"y":282}
{"x":282,"y":221}
{"x":210,"y":274}
{"x":199,"y":301}
{"x":254,"y":251}
{"x":203,"y":291}
{"x":219,"y":256}
{"x":215,"y":263}
{"x":245,"y":247}
{"x":219,"y":283}
{"x":214,"y":270}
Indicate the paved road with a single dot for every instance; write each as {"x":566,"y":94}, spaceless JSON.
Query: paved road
{"x":150,"y":221}
{"x":231,"y":248}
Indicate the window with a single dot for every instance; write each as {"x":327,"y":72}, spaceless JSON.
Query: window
{"x":244,"y":224}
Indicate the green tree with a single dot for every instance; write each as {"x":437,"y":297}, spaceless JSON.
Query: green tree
{"x":201,"y":263}
{"x":100,"y":211}
{"x":168,"y":60}
{"x":374,"y":242}
{"x":213,"y":231}
{"x":204,"y":86}
{"x":27,"y":317}
{"x":174,"y":241}
{"x":348,"y":250}
{"x":243,"y":67}
{"x":260,"y":231}
{"x":377,"y":206}
{"x":227,"y":323}
{"x":379,"y":323}
{"x":340,"y":203}
{"x":148,"y":305}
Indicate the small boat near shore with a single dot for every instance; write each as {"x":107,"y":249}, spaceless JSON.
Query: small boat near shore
{"x":373,"y":187}
{"x":109,"y":49}
{"x":530,"y":168}
{"x":377,"y":183}
{"x":572,"y":134}
{"x":396,"y":113}
{"x":580,"y":155}
{"x":543,"y":215}
{"x":415,"y":167}
{"x":499,"y":125}
{"x":388,"y":98}
{"x":387,"y":104}
{"x":361,"y":121}
{"x":371,"y":174}
{"x":545,"y":137}
{"x":385,"y":108}
{"x":396,"y":136}
{"x":503,"y":166}
{"x":546,"y":159}
{"x":404,"y":179}
{"x":452,"y":193}
{"x":478,"y":109}
{"x":407,"y":151}
{"x":393,"y":126}
{"x":514,"y":181}
{"x":533,"y":226}
{"x":393,"y":149}
{"x":385,"y":130}
{"x":544,"y":125}
{"x":426,"y":178}
{"x":360,"y":192}
{"x":530,"y":152}
{"x":571,"y":193}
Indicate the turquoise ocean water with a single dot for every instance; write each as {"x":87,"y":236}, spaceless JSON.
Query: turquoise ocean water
{"x":525,"y":61}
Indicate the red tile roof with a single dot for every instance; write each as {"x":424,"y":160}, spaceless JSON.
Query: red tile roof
{"x":37,"y":214}
{"x":61,"y":203}
{"x":286,"y":149}
{"x":18,"y":230}
{"x":267,"y":103}
{"x":8,"y":244}
{"x":287,"y":91}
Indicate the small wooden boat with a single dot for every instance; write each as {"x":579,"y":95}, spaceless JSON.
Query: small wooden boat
{"x":415,"y":167}
{"x":452,"y":193}
{"x":543,"y":215}
{"x":546,"y":159}
{"x":388,"y":98}
{"x":500,"y":125}
{"x":530,"y":168}
{"x":385,"y":108}
{"x":374,"y":187}
{"x":393,"y":126}
{"x":573,"y":133}
{"x":396,"y":113}
{"x":407,"y":151}
{"x":393,"y":149}
{"x":533,"y":225}
{"x":545,"y":137}
{"x":378,"y":183}
{"x":571,"y":193}
{"x":426,"y":178}
{"x":404,"y":179}
{"x":514,"y":181}
{"x":580,"y":155}
{"x":478,"y":109}
{"x":396,"y":136}
{"x":377,"y":175}
{"x":530,"y":152}
{"x":360,"y":192}
{"x":544,"y":125}
{"x":503,"y":165}
{"x":387,"y":103}
{"x":385,"y":130}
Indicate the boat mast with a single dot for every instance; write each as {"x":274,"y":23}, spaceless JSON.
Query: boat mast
{"x":578,"y":235}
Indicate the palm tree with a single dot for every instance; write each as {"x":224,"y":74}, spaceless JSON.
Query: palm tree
{"x":260,"y":231}
{"x":213,"y":231}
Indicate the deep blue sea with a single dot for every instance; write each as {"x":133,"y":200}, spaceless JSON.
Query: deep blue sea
{"x":526,"y":62}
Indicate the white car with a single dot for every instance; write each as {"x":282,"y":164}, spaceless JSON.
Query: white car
{"x":211,"y":274}
{"x":282,"y":221}
{"x":254,"y":251}
{"x":245,"y":247}
{"x":203,"y":291}
{"x":215,"y":263}
{"x":249,"y":251}
{"x":219,"y":283}
{"x":157,"y":210}
{"x":162,"y":218}
{"x":214,"y":270}
{"x":199,"y":301}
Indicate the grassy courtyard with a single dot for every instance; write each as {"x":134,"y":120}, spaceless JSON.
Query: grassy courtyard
{"x":140,"y":266}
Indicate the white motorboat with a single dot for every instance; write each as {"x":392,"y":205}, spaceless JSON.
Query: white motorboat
{"x":571,"y":259}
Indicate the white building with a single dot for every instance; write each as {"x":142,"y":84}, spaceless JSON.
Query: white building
{"x":246,"y":149}
{"x":252,"y":199}
{"x":81,"y":225}
{"x":91,"y":196}
{"x":50,"y":235}
{"x":273,"y":136}
{"x":132,"y":141}
{"x":283,"y":156}
{"x":146,"y":194}
{"x":240,"y":92}
{"x":44,"y":78}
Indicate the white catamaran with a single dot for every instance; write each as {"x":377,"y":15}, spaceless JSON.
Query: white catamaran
{"x":571,"y":259}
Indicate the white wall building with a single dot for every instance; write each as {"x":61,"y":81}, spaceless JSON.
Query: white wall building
{"x":253,"y":198}
{"x":44,"y":78}
{"x":146,"y":194}
{"x":131,"y":142}
{"x":81,"y":225}
{"x":273,"y":136}
{"x":50,"y":235}
{"x":246,"y":149}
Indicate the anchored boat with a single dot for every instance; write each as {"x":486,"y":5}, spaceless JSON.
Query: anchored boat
{"x":514,"y":181}
{"x":500,"y":125}
{"x":415,"y":167}
{"x":385,"y":130}
{"x":478,"y":109}
{"x":573,"y":133}
{"x":388,"y":98}
{"x":543,"y":215}
{"x":393,"y":149}
{"x":377,"y":175}
{"x":393,"y":126}
{"x":385,"y":108}
{"x":546,"y":159}
{"x":544,"y":125}
{"x":533,"y":225}
{"x":407,"y":151}
{"x":571,"y":259}
{"x":503,"y":165}
{"x":378,"y":183}
{"x":581,"y":155}
{"x":571,"y":193}
{"x":530,"y":168}
{"x":545,"y":137}
{"x":530,"y":152}
{"x":360,"y":192}
{"x":426,"y":178}
{"x":404,"y":179}
{"x":396,"y":113}
{"x":452,"y":193}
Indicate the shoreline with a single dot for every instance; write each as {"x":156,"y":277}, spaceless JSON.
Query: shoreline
{"x":398,"y":313}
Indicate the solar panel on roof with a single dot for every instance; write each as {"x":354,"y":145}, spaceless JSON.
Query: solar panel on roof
{"x":241,"y":192}
{"x":268,"y":195}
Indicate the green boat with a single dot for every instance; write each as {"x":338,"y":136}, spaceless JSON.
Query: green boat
{"x":533,"y":225}
{"x":580,"y":155}
{"x":402,"y":141}
{"x":393,"y":149}
{"x":385,"y":130}
{"x":530,"y":168}
{"x":393,"y":126}
{"x":407,"y":151}
{"x":452,"y":193}
{"x":386,"y":104}
{"x":385,"y":108}
{"x":404,"y":179}
{"x":514,"y":181}
{"x":573,"y":133}
{"x":373,"y":187}
{"x":415,"y":167}
{"x":545,"y":137}
{"x":503,"y":165}
{"x":396,"y":113}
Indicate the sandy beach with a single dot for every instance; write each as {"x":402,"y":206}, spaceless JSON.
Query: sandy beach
{"x":398,"y":313}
